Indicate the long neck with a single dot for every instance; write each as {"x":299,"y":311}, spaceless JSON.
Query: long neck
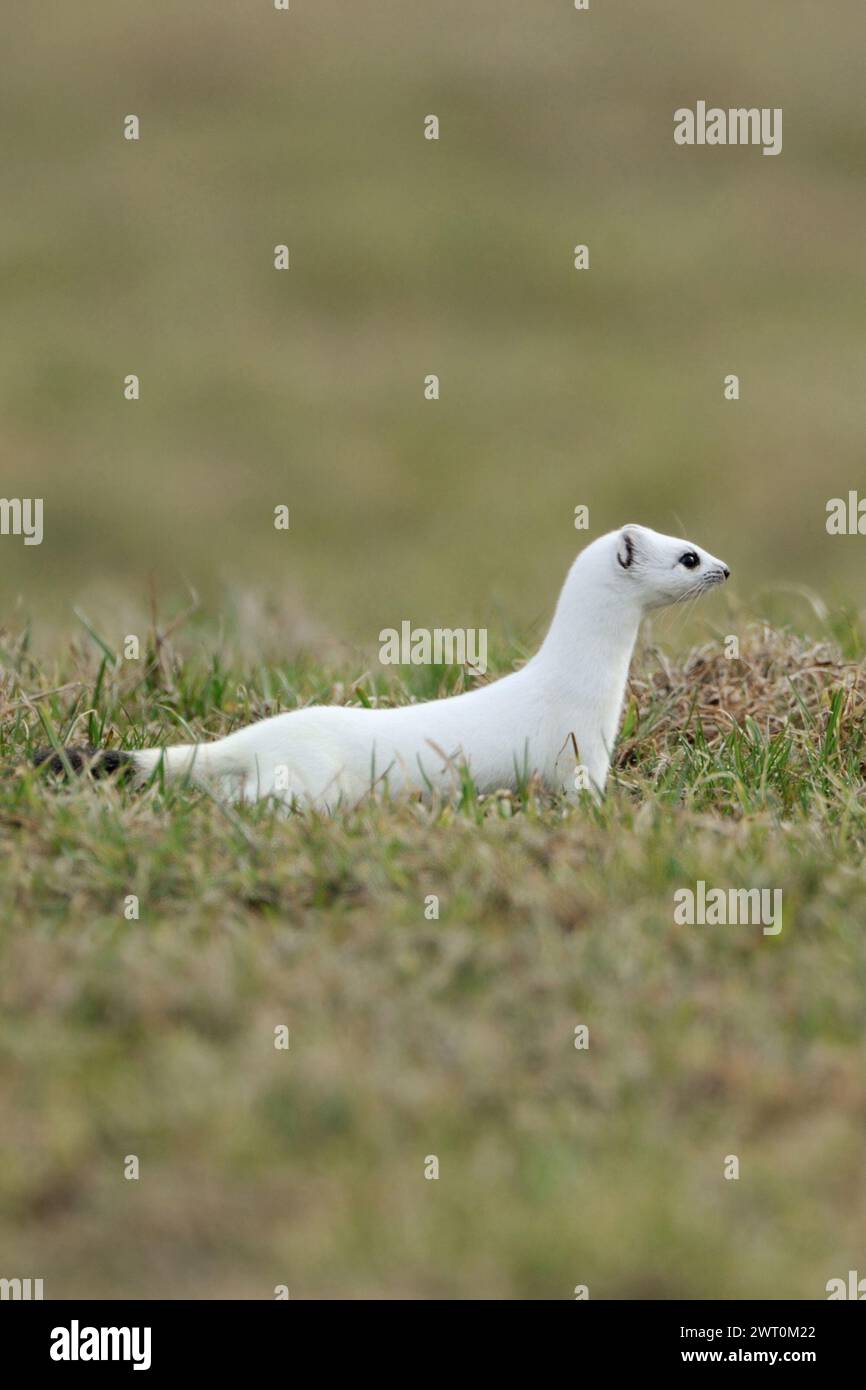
{"x":589,"y":644}
{"x":594,"y":628}
{"x":582,"y":666}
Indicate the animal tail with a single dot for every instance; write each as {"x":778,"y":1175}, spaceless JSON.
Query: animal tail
{"x":196,"y":760}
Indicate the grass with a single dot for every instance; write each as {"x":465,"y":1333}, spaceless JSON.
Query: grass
{"x":411,"y":1037}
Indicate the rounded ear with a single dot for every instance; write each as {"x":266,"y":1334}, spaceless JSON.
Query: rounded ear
{"x":625,"y":548}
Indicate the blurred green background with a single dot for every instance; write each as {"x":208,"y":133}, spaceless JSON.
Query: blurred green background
{"x":412,"y":257}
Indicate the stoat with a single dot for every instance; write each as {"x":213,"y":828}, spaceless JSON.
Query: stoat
{"x":556,"y":717}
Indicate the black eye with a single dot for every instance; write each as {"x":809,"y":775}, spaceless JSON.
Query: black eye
{"x":690,"y":560}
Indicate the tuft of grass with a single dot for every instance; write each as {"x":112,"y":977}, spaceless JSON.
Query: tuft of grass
{"x":781,"y":725}
{"x":413,"y":1034}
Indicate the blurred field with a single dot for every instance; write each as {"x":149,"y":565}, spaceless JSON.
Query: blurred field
{"x":410,"y":257}
{"x":306,"y":388}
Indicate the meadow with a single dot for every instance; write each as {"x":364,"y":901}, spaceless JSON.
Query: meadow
{"x":409,"y":1036}
{"x":413,"y":1036}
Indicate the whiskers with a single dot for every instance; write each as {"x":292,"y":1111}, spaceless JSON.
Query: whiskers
{"x":681,"y":609}
{"x":709,"y":581}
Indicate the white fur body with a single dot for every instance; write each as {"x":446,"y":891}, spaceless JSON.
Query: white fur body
{"x":561,"y":710}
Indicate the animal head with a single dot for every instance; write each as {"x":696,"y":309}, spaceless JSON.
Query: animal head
{"x":656,"y":570}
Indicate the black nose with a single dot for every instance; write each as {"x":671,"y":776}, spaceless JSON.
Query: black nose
{"x":727,"y":572}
